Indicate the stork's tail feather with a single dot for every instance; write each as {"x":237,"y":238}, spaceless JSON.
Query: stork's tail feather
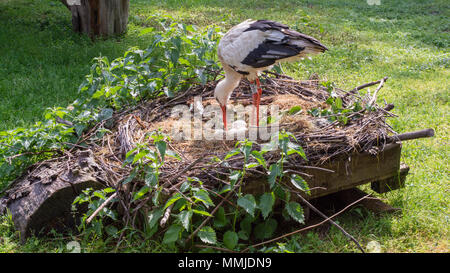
{"x":314,"y":45}
{"x":318,"y":48}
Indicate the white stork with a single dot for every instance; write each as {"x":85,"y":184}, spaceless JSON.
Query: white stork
{"x":254,"y":46}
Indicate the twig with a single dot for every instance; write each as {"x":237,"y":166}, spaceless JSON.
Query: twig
{"x":356,"y":89}
{"x":306,"y":228}
{"x":331,"y":221}
{"x":315,"y":168}
{"x":374,"y":96}
{"x":209,"y":217}
{"x":101,"y":207}
{"x":216,"y":248}
{"x":9,"y":158}
{"x":163,"y":221}
{"x":183,"y":172}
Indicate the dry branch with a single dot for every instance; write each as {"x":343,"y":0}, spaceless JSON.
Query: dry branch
{"x":106,"y":202}
{"x":331,"y":221}
{"x":305,"y":228}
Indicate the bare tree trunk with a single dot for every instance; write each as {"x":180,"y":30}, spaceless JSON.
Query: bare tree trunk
{"x":98,"y":17}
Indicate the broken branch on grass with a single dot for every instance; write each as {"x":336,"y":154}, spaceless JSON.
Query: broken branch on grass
{"x":331,"y":221}
{"x":306,"y":228}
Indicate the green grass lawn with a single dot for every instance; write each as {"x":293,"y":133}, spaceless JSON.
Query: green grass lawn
{"x":42,"y":63}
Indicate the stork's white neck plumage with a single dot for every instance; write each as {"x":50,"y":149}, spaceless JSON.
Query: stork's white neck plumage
{"x":226,"y":86}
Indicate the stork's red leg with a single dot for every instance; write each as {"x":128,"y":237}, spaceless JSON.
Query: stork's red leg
{"x":259,"y":93}
{"x":255,"y":97}
{"x":224,"y":116}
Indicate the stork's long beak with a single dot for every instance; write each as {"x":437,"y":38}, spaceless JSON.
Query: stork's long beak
{"x":224,"y":116}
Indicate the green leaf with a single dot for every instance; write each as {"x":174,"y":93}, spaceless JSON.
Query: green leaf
{"x":246,"y":149}
{"x":270,"y":146}
{"x":295,"y":148}
{"x":281,"y":193}
{"x":207,"y":235}
{"x":146,"y":30}
{"x":202,"y":212}
{"x":99,"y":194}
{"x":274,"y":172}
{"x":185,"y":218}
{"x":296,"y":212}
{"x":259,"y":157}
{"x":230,"y":239}
{"x":106,"y":113}
{"x":295,"y":109}
{"x":246,"y":224}
{"x":185,"y":186}
{"x":203,"y":196}
{"x":266,"y":202}
{"x":109,"y":190}
{"x":130,"y":177}
{"x":151,"y":178}
{"x":173,"y":154}
{"x":112,"y":231}
{"x":220,"y":219}
{"x":248,"y":203}
{"x":161,"y":145}
{"x":251,"y":165}
{"x":154,"y":216}
{"x":338,"y":103}
{"x":172,"y":200}
{"x":79,"y":128}
{"x":243,"y":235}
{"x":140,"y":155}
{"x":231,"y":154}
{"x":266,"y":229}
{"x":234,"y":177}
{"x":141,"y":193}
{"x":172,"y":234}
{"x":300,"y":183}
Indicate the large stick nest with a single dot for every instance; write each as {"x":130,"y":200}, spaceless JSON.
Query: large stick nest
{"x":321,"y":139}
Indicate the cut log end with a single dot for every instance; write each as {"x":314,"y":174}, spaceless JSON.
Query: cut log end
{"x":413,"y":135}
{"x":42,"y":198}
{"x":99,"y":18}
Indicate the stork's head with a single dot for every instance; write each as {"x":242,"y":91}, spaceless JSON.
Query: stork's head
{"x":223,"y":91}
{"x":222,"y":94}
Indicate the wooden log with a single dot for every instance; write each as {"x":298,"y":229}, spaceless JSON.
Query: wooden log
{"x":343,"y":173}
{"x":339,"y":200}
{"x":99,"y":17}
{"x":355,"y":170}
{"x":43,"y":196}
{"x":412,"y":135}
{"x":392,"y":183}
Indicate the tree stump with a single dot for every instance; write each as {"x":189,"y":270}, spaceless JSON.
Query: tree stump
{"x":98,"y":17}
{"x":43,"y":196}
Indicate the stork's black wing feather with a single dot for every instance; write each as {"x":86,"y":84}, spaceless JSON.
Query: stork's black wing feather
{"x":269,"y":52}
{"x":265,"y":25}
